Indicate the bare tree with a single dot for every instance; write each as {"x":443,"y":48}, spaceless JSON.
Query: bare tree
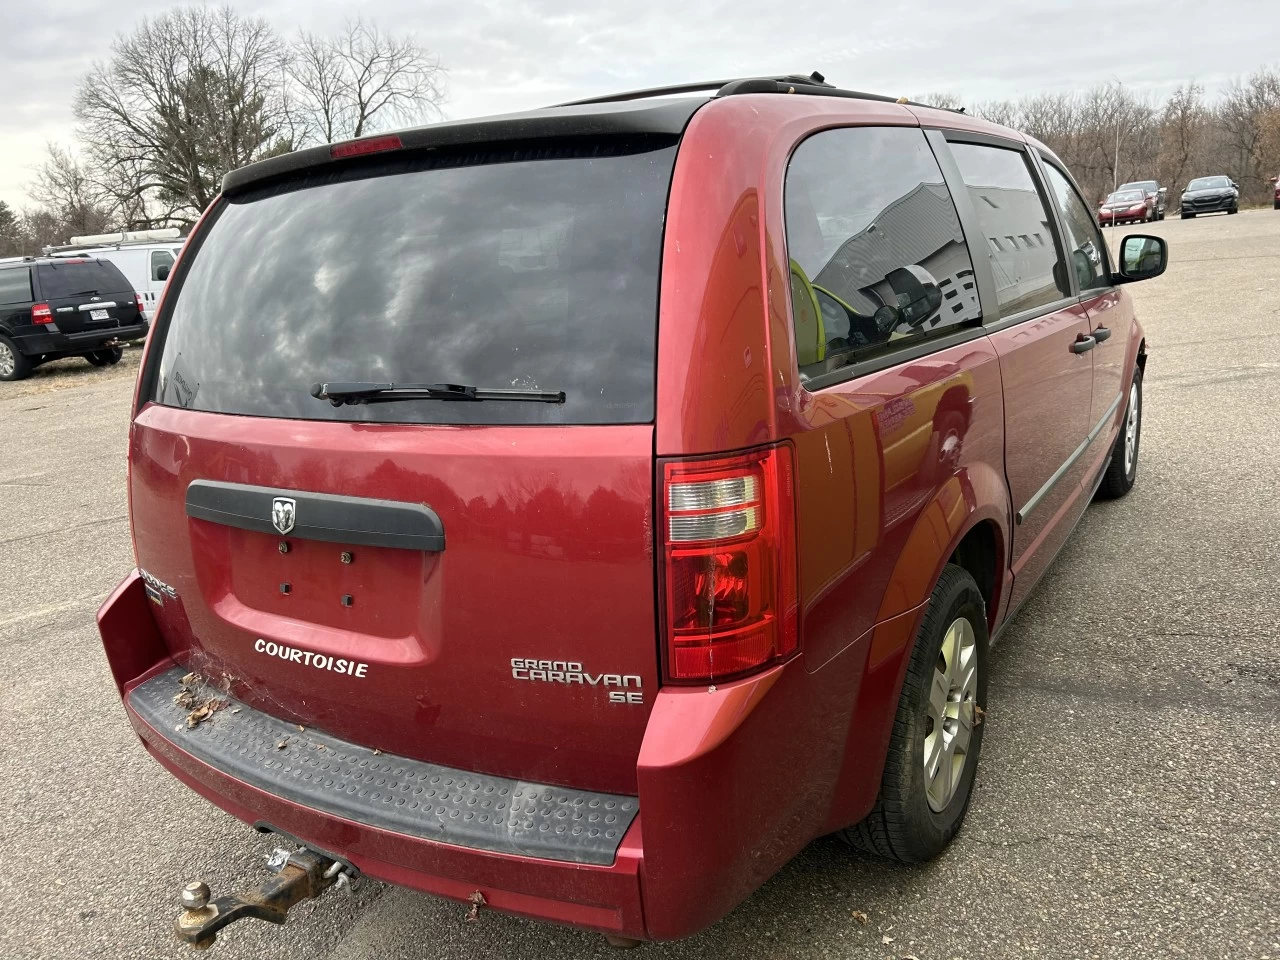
{"x":1241,"y":114}
{"x":66,"y":189}
{"x":349,"y":85}
{"x":187,"y":97}
{"x":1267,"y":150}
{"x":1184,"y":124}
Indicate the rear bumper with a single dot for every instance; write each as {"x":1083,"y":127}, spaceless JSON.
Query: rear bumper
{"x":41,"y":341}
{"x":733,"y":781}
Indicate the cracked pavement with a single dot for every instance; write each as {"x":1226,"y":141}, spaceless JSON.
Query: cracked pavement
{"x":1126,"y":802}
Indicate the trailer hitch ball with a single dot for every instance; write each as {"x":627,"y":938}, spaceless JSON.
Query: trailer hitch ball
{"x":196,"y":914}
{"x":299,"y":875}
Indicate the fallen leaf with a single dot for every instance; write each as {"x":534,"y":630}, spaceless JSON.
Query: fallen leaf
{"x":861,"y":917}
{"x":377,"y":752}
{"x":301,"y":728}
{"x":190,"y":679}
{"x":204,"y":712}
{"x":978,"y":714}
{"x":886,"y":939}
{"x":185,"y":699}
{"x":282,"y":744}
{"x":477,"y":901}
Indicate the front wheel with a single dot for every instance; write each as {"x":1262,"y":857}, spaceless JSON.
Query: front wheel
{"x":1188,"y":216}
{"x":937,"y":732}
{"x":1122,"y":470}
{"x":1233,"y":210}
{"x":105,"y":357}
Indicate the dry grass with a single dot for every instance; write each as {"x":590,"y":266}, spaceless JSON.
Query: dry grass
{"x":72,"y":372}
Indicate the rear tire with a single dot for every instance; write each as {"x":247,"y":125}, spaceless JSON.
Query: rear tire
{"x":917,"y":813}
{"x":1122,"y":470}
{"x":1188,"y":216}
{"x":14,"y":365}
{"x":105,"y":357}
{"x":1233,"y":210}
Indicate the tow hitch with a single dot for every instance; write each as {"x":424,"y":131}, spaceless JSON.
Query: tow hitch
{"x":299,"y":875}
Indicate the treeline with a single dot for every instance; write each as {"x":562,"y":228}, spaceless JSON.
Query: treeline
{"x":199,"y":91}
{"x":1110,"y":135}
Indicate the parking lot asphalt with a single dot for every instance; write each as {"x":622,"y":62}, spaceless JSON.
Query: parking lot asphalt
{"x":1126,"y":805}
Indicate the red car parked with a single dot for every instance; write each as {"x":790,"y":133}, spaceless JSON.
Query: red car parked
{"x":1127,"y":206}
{"x":576,"y":513}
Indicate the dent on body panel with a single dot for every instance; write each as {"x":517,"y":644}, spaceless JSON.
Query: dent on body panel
{"x":884,"y":487}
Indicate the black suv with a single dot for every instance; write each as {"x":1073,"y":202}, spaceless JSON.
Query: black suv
{"x":56,"y":307}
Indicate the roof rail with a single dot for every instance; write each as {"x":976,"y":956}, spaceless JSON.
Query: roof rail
{"x":815,"y":84}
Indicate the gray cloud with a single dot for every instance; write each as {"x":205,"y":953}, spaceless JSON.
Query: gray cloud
{"x":513,"y":55}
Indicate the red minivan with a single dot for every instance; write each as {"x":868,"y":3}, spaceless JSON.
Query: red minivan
{"x":577,"y":512}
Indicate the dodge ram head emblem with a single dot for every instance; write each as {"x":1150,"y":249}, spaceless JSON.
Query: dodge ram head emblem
{"x":283,"y":510}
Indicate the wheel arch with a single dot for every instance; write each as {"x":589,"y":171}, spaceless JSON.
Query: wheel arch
{"x":968,"y":521}
{"x":972,"y":508}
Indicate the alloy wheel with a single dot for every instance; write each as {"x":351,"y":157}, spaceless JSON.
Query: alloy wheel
{"x":7,"y":360}
{"x":1131,"y":429}
{"x":951,"y":714}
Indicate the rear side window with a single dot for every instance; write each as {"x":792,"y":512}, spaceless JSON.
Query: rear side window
{"x":15,"y":285}
{"x":1084,"y":243}
{"x":877,"y":256}
{"x":81,"y":278}
{"x":1008,"y":204}
{"x":532,"y":269}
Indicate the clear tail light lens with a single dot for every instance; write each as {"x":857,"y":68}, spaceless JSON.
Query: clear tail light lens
{"x":729,"y":577}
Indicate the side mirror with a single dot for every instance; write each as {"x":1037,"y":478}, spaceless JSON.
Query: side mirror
{"x":1163,"y":191}
{"x":1141,"y":258}
{"x":163,"y":273}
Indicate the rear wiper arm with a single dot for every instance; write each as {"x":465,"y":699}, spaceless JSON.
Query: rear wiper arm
{"x":363,"y":392}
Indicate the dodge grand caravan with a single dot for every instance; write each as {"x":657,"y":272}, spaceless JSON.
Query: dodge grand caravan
{"x":575,"y":513}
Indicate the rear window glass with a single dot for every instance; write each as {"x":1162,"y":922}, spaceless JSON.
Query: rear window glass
{"x":75,"y":278}
{"x":533,"y":269}
{"x":15,"y":285}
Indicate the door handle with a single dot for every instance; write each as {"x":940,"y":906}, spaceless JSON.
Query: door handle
{"x":1102,"y":333}
{"x":1084,"y":344}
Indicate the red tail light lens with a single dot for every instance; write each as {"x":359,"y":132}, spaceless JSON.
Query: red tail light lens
{"x":358,"y":148}
{"x":729,"y":564}
{"x":40,"y":313}
{"x":137,"y":298}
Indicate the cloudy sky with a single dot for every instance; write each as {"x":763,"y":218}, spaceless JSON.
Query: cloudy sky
{"x":522,"y":53}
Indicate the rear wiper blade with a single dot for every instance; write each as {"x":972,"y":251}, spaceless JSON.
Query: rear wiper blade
{"x":363,"y":392}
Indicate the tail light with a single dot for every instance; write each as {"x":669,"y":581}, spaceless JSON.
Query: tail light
{"x":729,"y":578}
{"x":137,"y":298}
{"x":40,"y":313}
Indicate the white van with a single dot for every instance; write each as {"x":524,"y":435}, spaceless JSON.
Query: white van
{"x":144,"y":256}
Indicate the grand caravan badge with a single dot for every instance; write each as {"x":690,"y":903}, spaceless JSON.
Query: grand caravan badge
{"x":571,"y":672}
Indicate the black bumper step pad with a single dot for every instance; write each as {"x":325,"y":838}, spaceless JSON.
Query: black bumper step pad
{"x":391,"y":793}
